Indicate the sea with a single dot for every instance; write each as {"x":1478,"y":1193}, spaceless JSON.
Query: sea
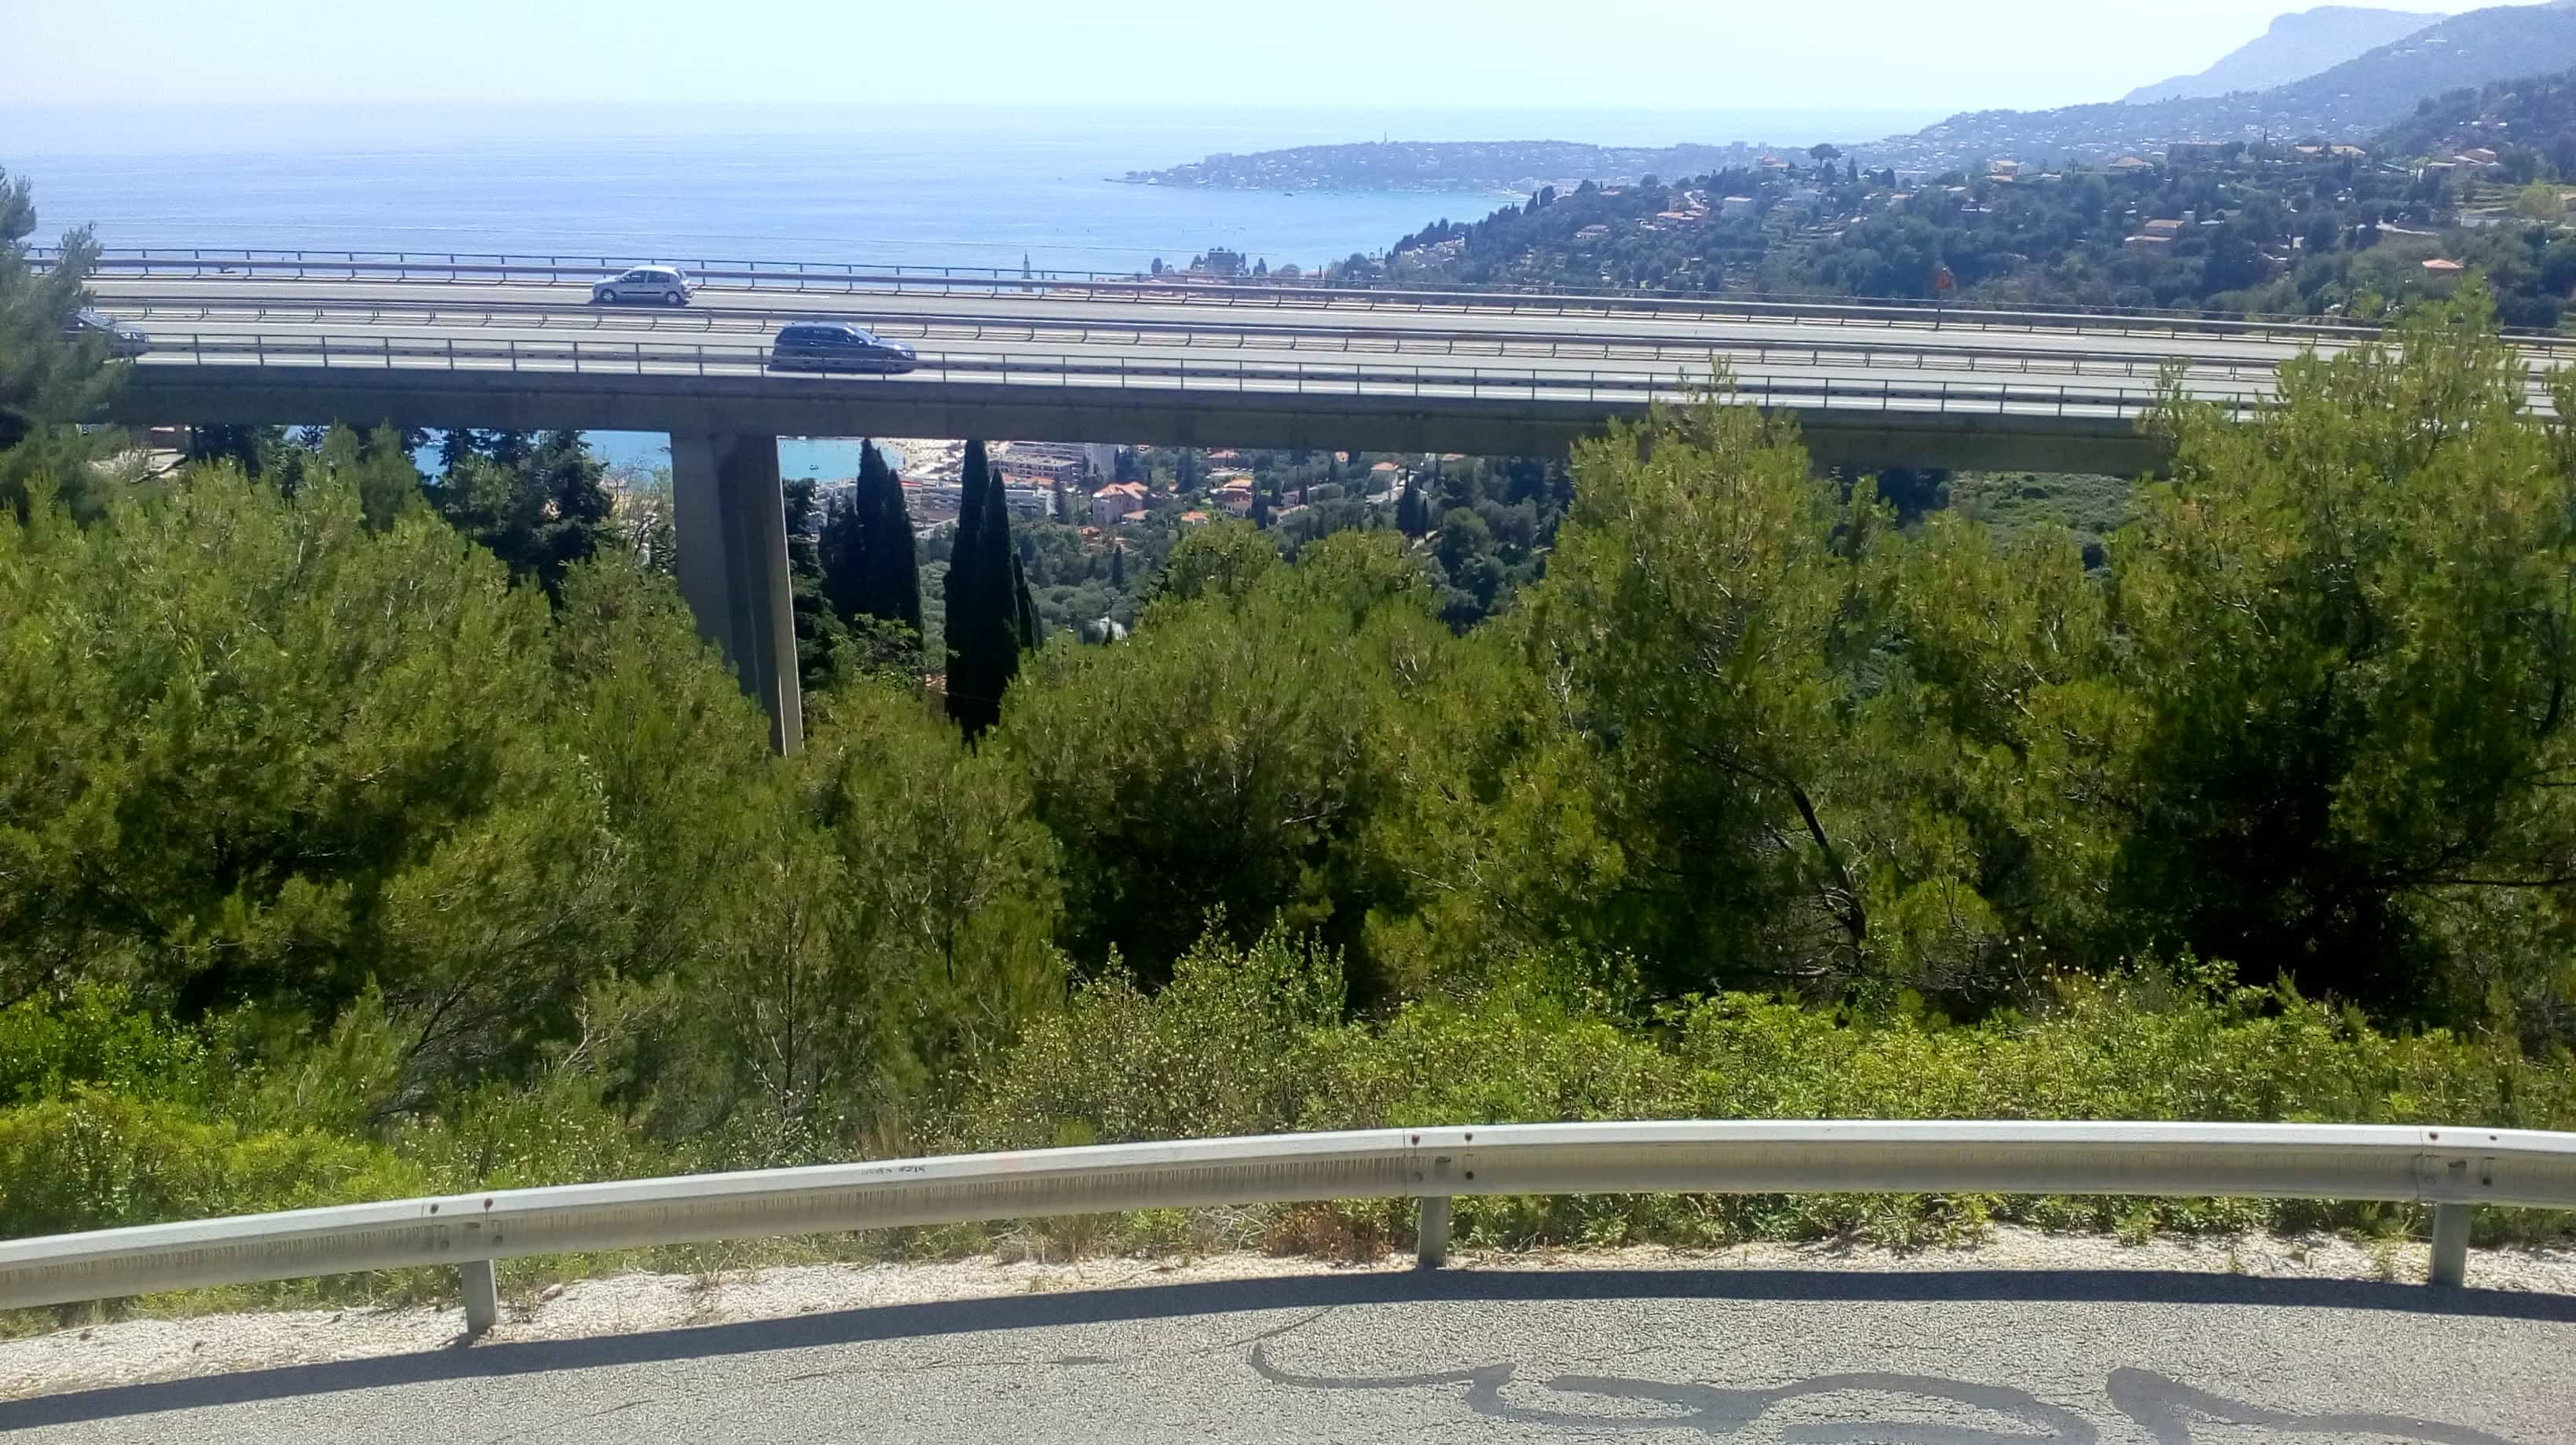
{"x":997,"y":187}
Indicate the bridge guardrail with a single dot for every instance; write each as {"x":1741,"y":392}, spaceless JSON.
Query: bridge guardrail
{"x":1604,"y":385}
{"x":2452,"y":1169}
{"x":801,"y":275}
{"x":709,"y":319}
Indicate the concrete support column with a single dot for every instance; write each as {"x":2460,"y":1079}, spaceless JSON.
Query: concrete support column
{"x":730,"y":516}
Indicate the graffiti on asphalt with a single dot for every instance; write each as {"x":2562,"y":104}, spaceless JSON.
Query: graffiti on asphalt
{"x":2164,"y":1408}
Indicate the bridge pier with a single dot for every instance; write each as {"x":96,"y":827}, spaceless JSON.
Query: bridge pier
{"x":731,"y":520}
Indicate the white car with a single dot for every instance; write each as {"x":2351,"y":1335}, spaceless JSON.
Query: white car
{"x":664,"y":285}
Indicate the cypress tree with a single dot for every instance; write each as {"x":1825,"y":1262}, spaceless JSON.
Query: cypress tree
{"x":991,"y":614}
{"x":894,"y":558}
{"x":958,"y":590}
{"x":841,"y":550}
{"x":1118,"y":566}
{"x":870,"y":567}
{"x":1412,"y":514}
{"x":820,"y":637}
{"x":1025,"y":626}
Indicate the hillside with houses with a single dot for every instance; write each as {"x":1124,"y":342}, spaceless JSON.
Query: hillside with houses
{"x":2312,"y":226}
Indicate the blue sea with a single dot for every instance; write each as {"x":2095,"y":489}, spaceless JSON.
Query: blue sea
{"x":911,"y":187}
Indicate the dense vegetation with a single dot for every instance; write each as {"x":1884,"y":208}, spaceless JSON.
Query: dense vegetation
{"x":344,"y":853}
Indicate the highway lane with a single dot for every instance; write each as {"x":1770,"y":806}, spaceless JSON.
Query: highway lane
{"x":1944,"y":1357}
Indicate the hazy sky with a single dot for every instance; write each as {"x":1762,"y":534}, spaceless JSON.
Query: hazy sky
{"x":1677,"y":55}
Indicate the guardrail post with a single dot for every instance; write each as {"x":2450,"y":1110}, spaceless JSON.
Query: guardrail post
{"x":1431,"y":1233}
{"x":2450,"y":1246}
{"x":482,"y":1296}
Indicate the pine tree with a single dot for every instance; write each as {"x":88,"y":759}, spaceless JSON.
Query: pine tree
{"x":564,"y":480}
{"x":509,"y":448}
{"x":47,"y":382}
{"x":252,"y":448}
{"x":454,"y":446}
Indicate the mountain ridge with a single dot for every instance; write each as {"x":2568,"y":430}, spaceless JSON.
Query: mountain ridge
{"x":2350,"y":101}
{"x":2299,"y":44}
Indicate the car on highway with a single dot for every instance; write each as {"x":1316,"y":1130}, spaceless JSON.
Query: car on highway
{"x":123,"y":338}
{"x":661,"y":285}
{"x":838,"y":346}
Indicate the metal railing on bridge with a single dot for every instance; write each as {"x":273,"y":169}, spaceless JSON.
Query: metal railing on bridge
{"x":1193,"y":332}
{"x":488,"y":267}
{"x":1612,"y":388}
{"x":2454,"y":1170}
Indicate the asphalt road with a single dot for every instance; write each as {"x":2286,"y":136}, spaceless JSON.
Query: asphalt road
{"x":1947,"y":1358}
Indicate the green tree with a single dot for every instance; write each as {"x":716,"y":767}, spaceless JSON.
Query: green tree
{"x":2348,"y":627}
{"x":951,"y":883}
{"x":822,"y":640}
{"x":991,"y":618}
{"x":1219,"y":759}
{"x":378,"y":467}
{"x":48,"y":382}
{"x":315,"y":801}
{"x":1412,"y":511}
{"x":871,"y":565}
{"x":1699,"y":597}
{"x":539,"y":502}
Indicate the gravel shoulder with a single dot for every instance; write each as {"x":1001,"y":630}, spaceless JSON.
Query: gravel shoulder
{"x":149,"y":1350}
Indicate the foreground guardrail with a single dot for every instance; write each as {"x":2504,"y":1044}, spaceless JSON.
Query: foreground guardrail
{"x":810,"y":275}
{"x":2454,"y":1170}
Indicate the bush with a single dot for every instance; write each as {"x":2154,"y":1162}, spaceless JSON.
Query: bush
{"x":98,"y":1160}
{"x":1243,"y":1042}
{"x":1226,"y":1048}
{"x":94,"y":1036}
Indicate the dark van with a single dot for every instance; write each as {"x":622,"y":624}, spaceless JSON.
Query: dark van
{"x":837,"y":346}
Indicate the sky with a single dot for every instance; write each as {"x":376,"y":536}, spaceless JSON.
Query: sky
{"x":155,"y":61}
